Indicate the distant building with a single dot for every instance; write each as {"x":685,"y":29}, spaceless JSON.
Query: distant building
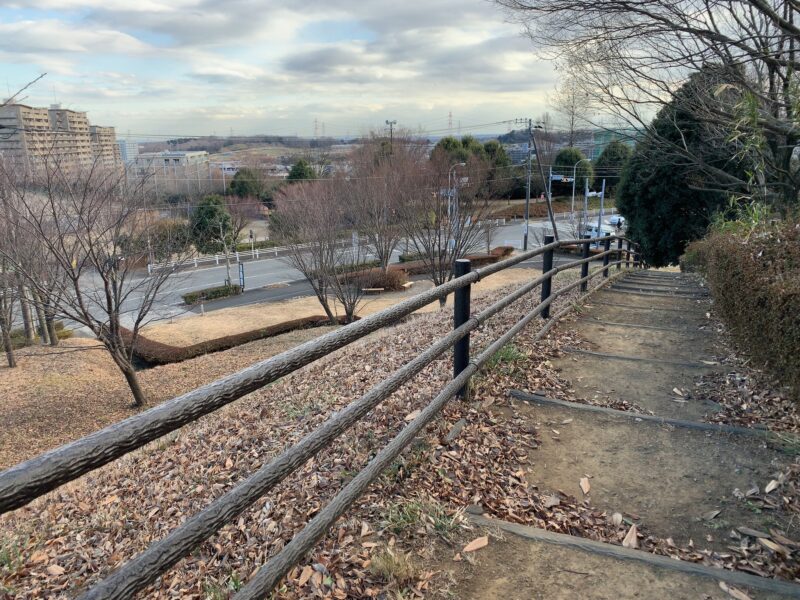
{"x":173,"y":171}
{"x":104,"y":145}
{"x":171,"y":159}
{"x":518,"y":153}
{"x":30,"y":135}
{"x":128,"y":151}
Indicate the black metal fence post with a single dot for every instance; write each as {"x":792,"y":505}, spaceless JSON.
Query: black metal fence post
{"x":547,"y":284}
{"x":585,"y":266}
{"x":461,"y":310}
{"x":606,"y":248}
{"x":619,"y":253}
{"x":627,"y":254}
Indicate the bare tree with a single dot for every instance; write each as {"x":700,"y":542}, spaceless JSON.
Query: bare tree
{"x":243,"y":211}
{"x":7,"y":301}
{"x":91,"y":227}
{"x":635,"y":54}
{"x":306,"y":222}
{"x":573,"y":102}
{"x":380,"y":174}
{"x":442,"y":222}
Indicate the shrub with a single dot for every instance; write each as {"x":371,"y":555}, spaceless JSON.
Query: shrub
{"x":263,"y":244}
{"x":18,"y":335}
{"x":222,"y":291}
{"x":391,"y":281}
{"x":410,"y":257}
{"x":755,"y":283}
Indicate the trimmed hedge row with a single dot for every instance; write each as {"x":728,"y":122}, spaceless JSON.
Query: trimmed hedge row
{"x":158,"y":353}
{"x":756,"y":288}
{"x":246,"y":247}
{"x":222,"y":291}
{"x":418,"y":267}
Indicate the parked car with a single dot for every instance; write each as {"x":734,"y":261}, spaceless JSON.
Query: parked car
{"x":593,"y":232}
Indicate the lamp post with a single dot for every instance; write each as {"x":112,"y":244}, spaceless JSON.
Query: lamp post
{"x":574,"y":177}
{"x":450,"y":188}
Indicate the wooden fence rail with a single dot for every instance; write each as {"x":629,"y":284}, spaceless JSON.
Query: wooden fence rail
{"x":26,"y":481}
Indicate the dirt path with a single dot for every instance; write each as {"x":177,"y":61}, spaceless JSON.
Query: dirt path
{"x":644,"y":340}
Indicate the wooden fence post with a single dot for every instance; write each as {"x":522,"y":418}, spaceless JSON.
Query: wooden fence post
{"x":547,"y":284}
{"x":606,"y":247}
{"x":585,"y":266}
{"x":619,"y":253}
{"x":461,"y":310}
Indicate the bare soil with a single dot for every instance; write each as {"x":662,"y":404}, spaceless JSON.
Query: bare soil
{"x":512,"y":568}
{"x":648,"y":384}
{"x":669,"y":479}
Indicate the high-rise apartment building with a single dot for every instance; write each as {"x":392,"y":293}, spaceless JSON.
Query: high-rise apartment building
{"x":29,"y":135}
{"x":104,"y":145}
{"x":128,"y":151}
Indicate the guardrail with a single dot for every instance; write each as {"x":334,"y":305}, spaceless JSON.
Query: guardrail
{"x":24,"y":482}
{"x":235,"y":256}
{"x":278,"y":251}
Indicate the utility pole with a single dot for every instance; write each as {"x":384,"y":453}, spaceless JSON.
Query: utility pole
{"x":600,"y":214}
{"x":391,"y":125}
{"x":528,"y":187}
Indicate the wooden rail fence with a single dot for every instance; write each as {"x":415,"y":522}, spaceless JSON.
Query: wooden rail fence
{"x":26,"y":481}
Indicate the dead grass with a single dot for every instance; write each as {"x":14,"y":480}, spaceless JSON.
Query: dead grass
{"x":394,"y":567}
{"x":60,"y":394}
{"x":228,"y":321}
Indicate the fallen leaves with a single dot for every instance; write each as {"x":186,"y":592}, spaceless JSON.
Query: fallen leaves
{"x":733,"y":592}
{"x":585,"y":486}
{"x":476,"y":544}
{"x":631,"y":539}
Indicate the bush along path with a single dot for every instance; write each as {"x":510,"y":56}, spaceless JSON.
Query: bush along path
{"x":624,"y":429}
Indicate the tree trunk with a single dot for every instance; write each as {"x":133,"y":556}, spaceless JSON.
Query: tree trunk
{"x":25,"y":308}
{"x":51,"y":327}
{"x":7,"y":346}
{"x":129,"y":372}
{"x":41,"y":318}
{"x":328,"y":311}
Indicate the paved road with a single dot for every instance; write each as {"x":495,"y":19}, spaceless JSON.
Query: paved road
{"x":288,"y":281}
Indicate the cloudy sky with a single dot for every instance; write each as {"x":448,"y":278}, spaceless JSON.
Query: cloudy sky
{"x":273,"y":66}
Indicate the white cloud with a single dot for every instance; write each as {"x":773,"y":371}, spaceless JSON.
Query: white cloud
{"x":254,"y":64}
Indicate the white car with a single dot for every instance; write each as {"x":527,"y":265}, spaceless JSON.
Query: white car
{"x":617,"y":220}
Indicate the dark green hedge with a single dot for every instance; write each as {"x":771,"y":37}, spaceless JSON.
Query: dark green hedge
{"x":222,"y":291}
{"x":755,"y":283}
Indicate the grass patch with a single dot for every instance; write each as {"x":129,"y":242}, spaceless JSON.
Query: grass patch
{"x":507,"y":355}
{"x":393,"y":567}
{"x":10,"y":557}
{"x":18,"y":339}
{"x":224,"y":590}
{"x":402,"y":517}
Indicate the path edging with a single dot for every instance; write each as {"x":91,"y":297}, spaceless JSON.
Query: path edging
{"x":718,"y":427}
{"x":663,"y":361}
{"x":560,"y":539}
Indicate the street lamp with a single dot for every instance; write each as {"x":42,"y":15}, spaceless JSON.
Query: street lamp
{"x":450,"y":188}
{"x":574,"y":176}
